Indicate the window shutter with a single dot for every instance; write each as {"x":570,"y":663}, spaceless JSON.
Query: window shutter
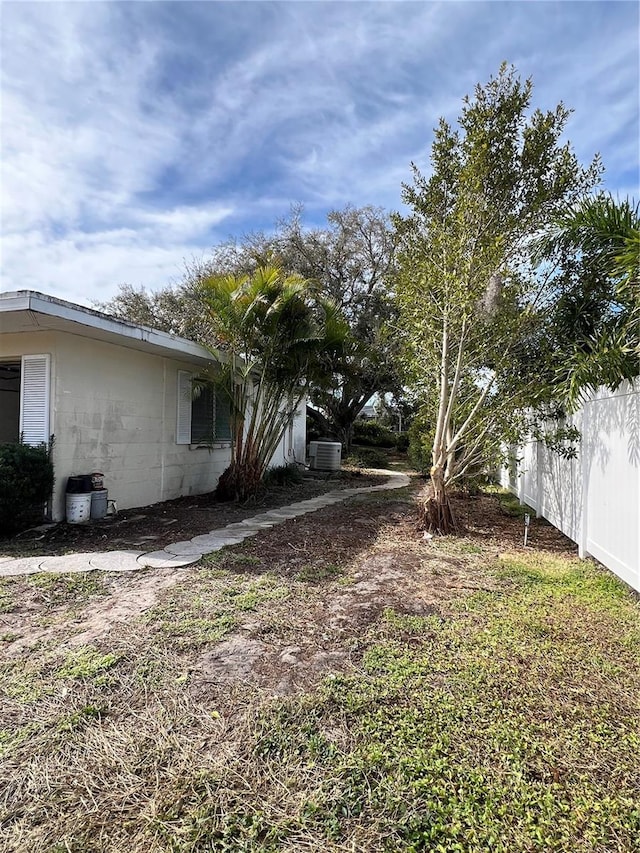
{"x":223,"y":416}
{"x":202,"y":415}
{"x":34,"y":399}
{"x":183,"y":428}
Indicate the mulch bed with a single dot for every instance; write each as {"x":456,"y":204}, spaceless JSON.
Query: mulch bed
{"x":151,"y":527}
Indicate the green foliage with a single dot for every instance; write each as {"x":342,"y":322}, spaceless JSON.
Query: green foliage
{"x":421,"y":443}
{"x":319,"y":572}
{"x":283,"y":475}
{"x":74,"y":589}
{"x":472,"y":303}
{"x":350,"y":261}
{"x":594,"y":327}
{"x":88,"y":662}
{"x":279,"y":337}
{"x":373,"y":434}
{"x":402,"y":441}
{"x":367,"y":457}
{"x":26,"y":483}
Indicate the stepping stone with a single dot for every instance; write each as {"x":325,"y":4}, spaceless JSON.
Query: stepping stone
{"x":254,"y":530}
{"x":263,"y":516}
{"x":6,"y":560}
{"x":68,"y":563}
{"x":287,"y":512}
{"x":116,"y":561}
{"x":165,"y":560}
{"x":184,"y":548}
{"x":224,"y":535}
{"x":20,"y":566}
{"x":213,"y":542}
{"x":258,"y":525}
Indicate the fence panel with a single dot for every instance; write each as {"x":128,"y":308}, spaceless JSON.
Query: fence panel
{"x":594,"y":499}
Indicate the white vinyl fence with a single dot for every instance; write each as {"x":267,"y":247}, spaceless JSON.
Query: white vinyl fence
{"x":594,"y":499}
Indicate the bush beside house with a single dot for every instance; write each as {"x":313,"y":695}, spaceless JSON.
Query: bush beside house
{"x":26,"y":483}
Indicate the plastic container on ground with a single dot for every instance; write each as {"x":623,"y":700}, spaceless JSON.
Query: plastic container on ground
{"x":99,"y":501}
{"x":79,"y":508}
{"x":79,"y":485}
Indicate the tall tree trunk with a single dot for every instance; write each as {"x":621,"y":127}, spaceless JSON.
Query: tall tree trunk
{"x":436,"y":514}
{"x":345,"y":435}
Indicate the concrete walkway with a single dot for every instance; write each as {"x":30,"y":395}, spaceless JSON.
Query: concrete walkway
{"x":188,"y":551}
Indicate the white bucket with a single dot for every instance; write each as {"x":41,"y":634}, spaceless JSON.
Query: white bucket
{"x":79,"y":508}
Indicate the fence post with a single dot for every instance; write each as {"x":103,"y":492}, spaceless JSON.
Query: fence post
{"x":539,"y":463}
{"x":584,"y":476}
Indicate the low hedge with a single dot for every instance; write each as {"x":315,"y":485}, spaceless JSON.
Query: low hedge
{"x":372,"y":434}
{"x":26,"y":483}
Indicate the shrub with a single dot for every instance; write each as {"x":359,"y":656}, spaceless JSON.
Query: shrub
{"x":26,"y":482}
{"x":372,"y":434}
{"x":367,"y":457}
{"x":282,"y":475}
{"x":402,"y":441}
{"x":420,"y":444}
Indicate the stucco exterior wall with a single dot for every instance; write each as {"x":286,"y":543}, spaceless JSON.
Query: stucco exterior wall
{"x":293,"y":445}
{"x":113,"y":410}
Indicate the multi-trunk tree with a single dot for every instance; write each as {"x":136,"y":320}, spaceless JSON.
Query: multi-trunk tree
{"x":472,"y":303}
{"x":278,"y":336}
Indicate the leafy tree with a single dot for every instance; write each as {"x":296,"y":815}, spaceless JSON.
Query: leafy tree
{"x":178,"y":310}
{"x":471,"y":303}
{"x":278,"y":337}
{"x":595,"y":323}
{"x":350,"y":262}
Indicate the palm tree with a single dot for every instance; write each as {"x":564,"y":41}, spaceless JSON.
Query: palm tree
{"x":277,"y":337}
{"x":600,"y":312}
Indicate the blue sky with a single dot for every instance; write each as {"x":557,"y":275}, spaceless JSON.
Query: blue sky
{"x":135,"y":136}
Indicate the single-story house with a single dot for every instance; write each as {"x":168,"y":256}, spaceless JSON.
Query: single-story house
{"x":117,"y":399}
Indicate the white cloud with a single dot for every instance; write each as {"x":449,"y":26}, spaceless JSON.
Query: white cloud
{"x":133,"y":133}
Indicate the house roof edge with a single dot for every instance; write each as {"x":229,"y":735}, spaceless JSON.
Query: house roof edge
{"x":52,"y":306}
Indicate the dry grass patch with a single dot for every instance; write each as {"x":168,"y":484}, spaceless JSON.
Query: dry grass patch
{"x":357,"y":690}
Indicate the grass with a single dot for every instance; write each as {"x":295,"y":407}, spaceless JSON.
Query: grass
{"x":509,"y":503}
{"x":506,"y":721}
{"x":75,"y":588}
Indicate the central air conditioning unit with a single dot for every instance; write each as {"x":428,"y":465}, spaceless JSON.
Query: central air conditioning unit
{"x":325,"y":455}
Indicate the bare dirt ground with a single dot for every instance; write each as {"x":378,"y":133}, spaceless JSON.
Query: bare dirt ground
{"x":152,"y":527}
{"x":154,"y":710}
{"x":298,"y":598}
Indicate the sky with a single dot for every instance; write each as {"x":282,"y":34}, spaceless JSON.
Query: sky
{"x":134,"y":136}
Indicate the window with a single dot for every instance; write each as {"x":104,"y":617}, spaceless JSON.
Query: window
{"x":203,"y":417}
{"x":24,"y":400}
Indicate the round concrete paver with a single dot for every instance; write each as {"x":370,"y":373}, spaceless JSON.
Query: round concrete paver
{"x":257,"y":525}
{"x":21,"y":566}
{"x":165,"y":560}
{"x":253,"y":529}
{"x":212,"y":542}
{"x":187,"y":552}
{"x":116,"y":561}
{"x":236,"y":539}
{"x":68,"y":563}
{"x":185,"y":548}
